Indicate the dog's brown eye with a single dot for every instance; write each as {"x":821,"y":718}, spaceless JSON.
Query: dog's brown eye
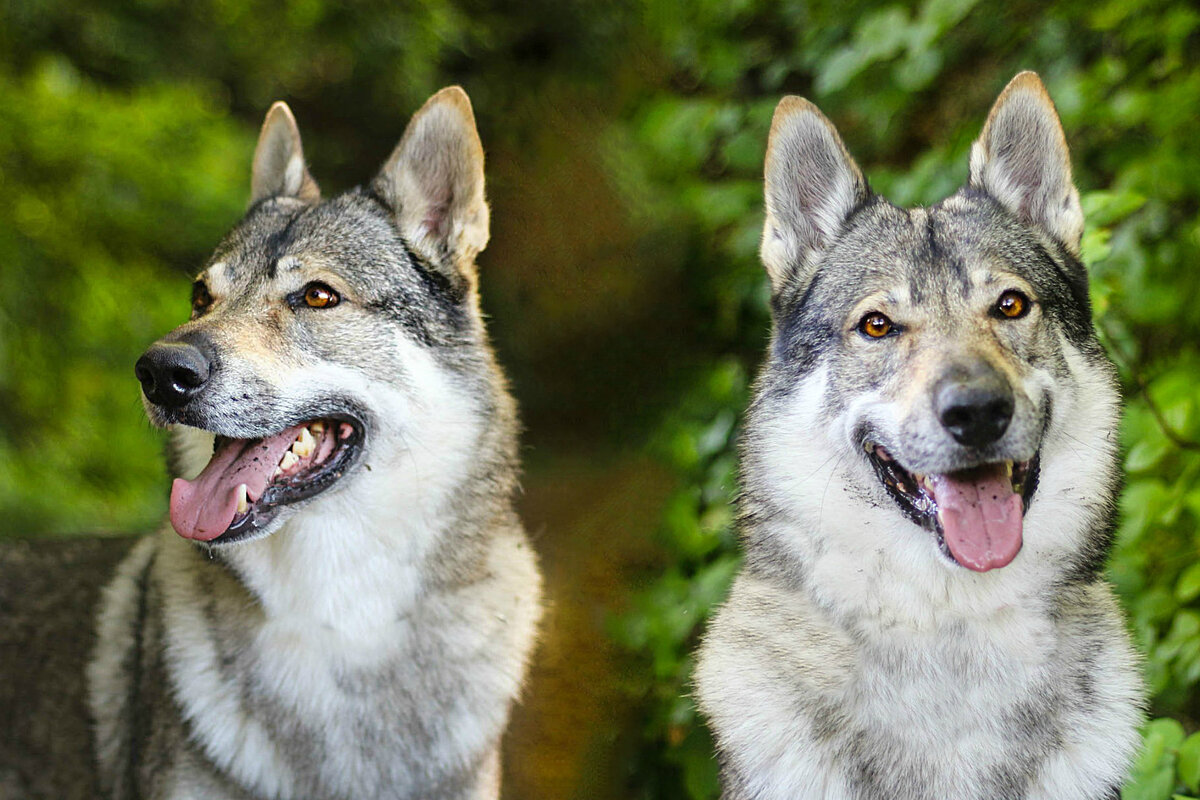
{"x":318,"y":295}
{"x":1012,"y":305}
{"x":201,"y":299}
{"x":876,"y":325}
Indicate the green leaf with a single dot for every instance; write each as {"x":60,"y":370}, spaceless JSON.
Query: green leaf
{"x":1188,"y":763}
{"x":1147,"y":453}
{"x":1188,"y":585}
{"x":1105,"y":208}
{"x":1155,"y":785}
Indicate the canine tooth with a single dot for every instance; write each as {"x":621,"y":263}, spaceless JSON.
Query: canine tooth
{"x":1008,"y":467}
{"x":288,"y":461}
{"x":243,"y":502}
{"x":317,"y":428}
{"x":304,"y":444}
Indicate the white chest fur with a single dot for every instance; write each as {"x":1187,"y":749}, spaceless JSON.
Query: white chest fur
{"x":1024,"y":704}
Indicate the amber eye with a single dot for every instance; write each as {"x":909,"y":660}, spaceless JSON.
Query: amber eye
{"x":1012,"y":305}
{"x":318,"y":295}
{"x":876,"y":325}
{"x":201,"y":299}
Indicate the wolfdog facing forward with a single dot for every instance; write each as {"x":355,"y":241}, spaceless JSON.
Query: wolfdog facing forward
{"x":347,"y":602}
{"x":929,"y":470}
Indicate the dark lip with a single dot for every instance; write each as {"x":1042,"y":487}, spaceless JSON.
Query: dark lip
{"x":286,"y":491}
{"x":919,"y":507}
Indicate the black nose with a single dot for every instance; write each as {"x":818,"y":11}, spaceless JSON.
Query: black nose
{"x":975,"y":404}
{"x":172,"y":373}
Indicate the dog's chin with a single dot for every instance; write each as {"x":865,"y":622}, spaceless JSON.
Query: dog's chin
{"x":251,"y":485}
{"x":985,"y":531}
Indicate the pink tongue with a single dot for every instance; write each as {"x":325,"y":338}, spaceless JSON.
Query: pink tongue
{"x":205,"y":507}
{"x":981,"y":516}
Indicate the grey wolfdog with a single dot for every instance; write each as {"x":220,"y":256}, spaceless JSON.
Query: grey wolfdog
{"x":929,"y":469}
{"x":346,"y":605}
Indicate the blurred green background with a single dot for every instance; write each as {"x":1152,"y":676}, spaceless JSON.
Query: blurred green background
{"x":625,"y":142}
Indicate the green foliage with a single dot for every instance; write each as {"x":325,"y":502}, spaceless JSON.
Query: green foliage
{"x":1168,"y":768}
{"x":698,"y":528}
{"x":909,"y":85}
{"x":77,"y":261}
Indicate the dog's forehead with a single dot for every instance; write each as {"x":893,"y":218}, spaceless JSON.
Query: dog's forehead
{"x":350,"y":235}
{"x":941,"y":255}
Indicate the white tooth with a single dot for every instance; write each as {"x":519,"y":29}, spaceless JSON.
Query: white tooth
{"x":243,"y":504}
{"x":317,"y":428}
{"x":304,"y":444}
{"x":288,"y":461}
{"x":276,"y":473}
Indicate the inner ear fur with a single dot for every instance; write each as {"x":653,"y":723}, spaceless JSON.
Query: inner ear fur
{"x":1021,"y":159}
{"x":811,"y":187}
{"x":279,"y":169}
{"x":434,"y":183}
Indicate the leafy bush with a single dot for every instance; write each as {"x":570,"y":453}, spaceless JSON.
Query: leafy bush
{"x":909,"y":88}
{"x":78,"y":263}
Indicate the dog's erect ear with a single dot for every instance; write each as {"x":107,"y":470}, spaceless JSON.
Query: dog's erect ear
{"x":279,"y":169}
{"x":434,"y":183}
{"x":812,"y":186}
{"x":1021,"y":160}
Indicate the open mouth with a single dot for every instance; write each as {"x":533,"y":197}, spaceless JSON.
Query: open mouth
{"x":249,"y":480}
{"x":977,"y":513}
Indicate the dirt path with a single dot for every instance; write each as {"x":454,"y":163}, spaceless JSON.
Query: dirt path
{"x":593,"y":525}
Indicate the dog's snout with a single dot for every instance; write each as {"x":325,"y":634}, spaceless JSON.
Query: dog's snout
{"x":975,"y":405}
{"x":172,"y":373}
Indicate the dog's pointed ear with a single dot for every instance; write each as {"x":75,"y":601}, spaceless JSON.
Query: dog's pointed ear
{"x":433,"y":182}
{"x":1021,"y":160}
{"x":279,"y":169}
{"x":812,"y":186}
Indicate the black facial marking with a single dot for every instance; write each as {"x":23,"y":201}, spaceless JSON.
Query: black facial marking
{"x":427,"y":308}
{"x":277,"y":244}
{"x":1069,"y":301}
{"x":804,"y":331}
